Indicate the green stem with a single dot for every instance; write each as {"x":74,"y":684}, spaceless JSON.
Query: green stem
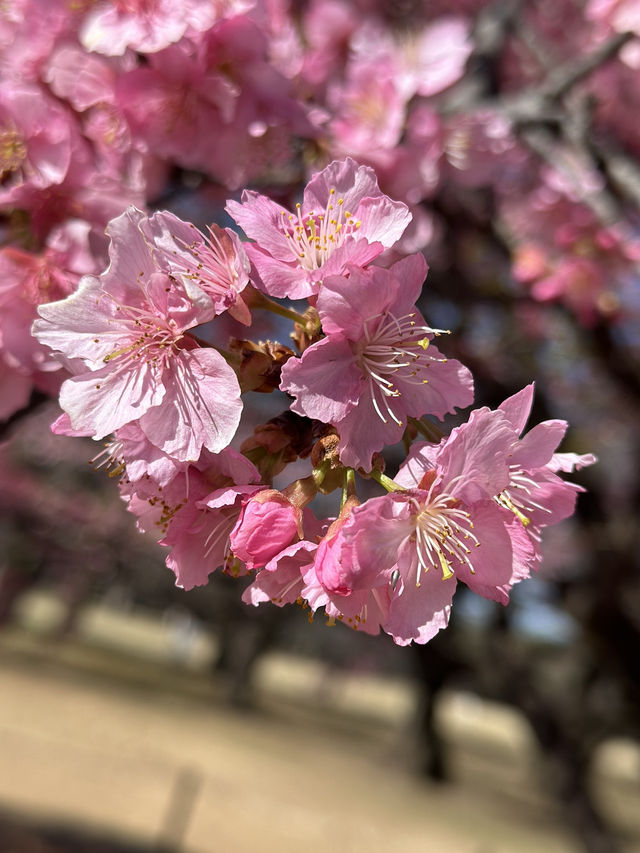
{"x":427,"y":429}
{"x":348,"y":485}
{"x":320,"y":473}
{"x":276,"y":308}
{"x":386,"y":482}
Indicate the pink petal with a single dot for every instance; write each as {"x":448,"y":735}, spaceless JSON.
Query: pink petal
{"x":363,"y":432}
{"x":345,"y":303}
{"x":421,"y":458}
{"x":325,"y":381}
{"x":571,"y":461}
{"x":281,"y":279}
{"x":518,"y":407}
{"x":104,"y":400}
{"x":130,"y":256}
{"x":383,"y":220}
{"x":202,"y":406}
{"x":260,"y":219}
{"x":450,"y":386}
{"x":536,"y":448}
{"x":417,"y":613}
{"x":350,"y":181}
{"x":81,"y":326}
{"x":281,"y":581}
{"x":475,"y":459}
{"x":493,"y":559}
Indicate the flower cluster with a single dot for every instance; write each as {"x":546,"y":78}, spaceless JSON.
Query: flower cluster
{"x":143,"y":347}
{"x":110,"y":104}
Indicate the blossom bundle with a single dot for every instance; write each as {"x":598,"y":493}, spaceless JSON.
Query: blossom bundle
{"x":105,"y":105}
{"x":147,"y":362}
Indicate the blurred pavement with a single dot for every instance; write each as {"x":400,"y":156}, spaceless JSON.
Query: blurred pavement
{"x":121,"y":729}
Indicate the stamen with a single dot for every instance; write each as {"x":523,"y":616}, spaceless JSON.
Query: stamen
{"x":13,"y":151}
{"x":515,"y":501}
{"x":110,"y":459}
{"x":394,"y":346}
{"x":315,"y":236}
{"x":214,"y":255}
{"x":442,"y":531}
{"x":152,"y":339}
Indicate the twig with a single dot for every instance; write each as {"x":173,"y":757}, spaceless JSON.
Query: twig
{"x":564,"y":77}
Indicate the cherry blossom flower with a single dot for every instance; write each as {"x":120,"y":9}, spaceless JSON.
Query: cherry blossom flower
{"x":37,"y":136}
{"x":194,"y":513}
{"x":26,"y":281}
{"x":146,"y":25}
{"x":219,"y":85}
{"x":534,"y":493}
{"x":343,"y":219}
{"x":377,"y":365}
{"x":418,"y":542}
{"x":216,"y":263}
{"x":123,"y":335}
{"x":368,"y":108}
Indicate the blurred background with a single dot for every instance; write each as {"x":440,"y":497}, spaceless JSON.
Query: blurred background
{"x":139,"y":717}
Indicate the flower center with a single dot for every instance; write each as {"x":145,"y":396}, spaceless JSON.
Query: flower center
{"x":393,"y":354}
{"x":315,"y":236}
{"x":13,"y":151}
{"x":213,"y":268}
{"x":152,"y":339}
{"x":368,"y":106}
{"x":443,"y":532}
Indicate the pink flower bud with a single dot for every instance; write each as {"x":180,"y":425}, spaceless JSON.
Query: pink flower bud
{"x":267,"y":524}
